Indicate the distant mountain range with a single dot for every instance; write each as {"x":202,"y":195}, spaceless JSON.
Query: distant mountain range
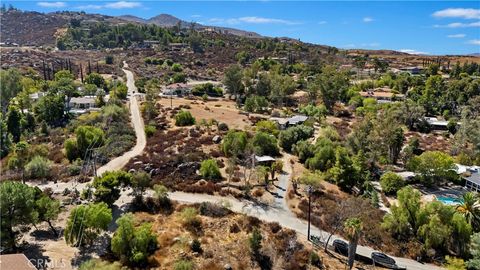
{"x":167,"y":20}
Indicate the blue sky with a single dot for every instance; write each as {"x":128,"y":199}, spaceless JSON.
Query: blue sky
{"x":431,"y":27}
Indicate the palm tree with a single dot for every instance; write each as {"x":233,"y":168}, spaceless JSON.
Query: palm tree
{"x":353,"y":228}
{"x":469,"y":207}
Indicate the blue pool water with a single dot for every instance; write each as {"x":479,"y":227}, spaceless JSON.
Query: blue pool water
{"x":447,"y":200}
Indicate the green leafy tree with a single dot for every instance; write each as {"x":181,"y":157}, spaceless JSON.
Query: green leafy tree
{"x":10,"y":86}
{"x":209,"y":170}
{"x":17,"y":207}
{"x":107,"y":186}
{"x":140,"y":182}
{"x":474,"y":262}
{"x":86,"y":222}
{"x":233,"y":80}
{"x":287,"y":138}
{"x":50,"y":109}
{"x":256,"y":104}
{"x":234,"y":143}
{"x":265,"y":144}
{"x":402,"y":221}
{"x":343,"y":173}
{"x":267,"y":126}
{"x":391,"y":182}
{"x":20,"y":157}
{"x":95,"y":78}
{"x":86,"y":139}
{"x":131,"y":244}
{"x":5,"y":138}
{"x":48,"y":210}
{"x":330,"y":85}
{"x":433,"y":167}
{"x":14,"y":118}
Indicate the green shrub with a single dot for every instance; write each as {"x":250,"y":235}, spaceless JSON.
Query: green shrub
{"x":38,"y":167}
{"x":391,"y":182}
{"x":150,"y":130}
{"x":255,"y":241}
{"x":183,"y":265}
{"x":177,"y":67}
{"x":189,"y":218}
{"x":179,"y":77}
{"x":209,"y":170}
{"x":255,"y":104}
{"x":184,"y":118}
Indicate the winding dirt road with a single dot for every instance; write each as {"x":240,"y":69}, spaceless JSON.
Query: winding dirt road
{"x":137,"y":121}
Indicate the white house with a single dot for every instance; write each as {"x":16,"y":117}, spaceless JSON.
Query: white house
{"x":283,"y":122}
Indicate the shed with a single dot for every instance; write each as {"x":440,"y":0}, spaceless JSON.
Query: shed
{"x":264,"y":159}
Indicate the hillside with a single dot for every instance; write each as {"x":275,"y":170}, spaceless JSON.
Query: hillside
{"x":37,"y":29}
{"x":167,"y":20}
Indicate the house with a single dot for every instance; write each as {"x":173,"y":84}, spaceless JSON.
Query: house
{"x":80,"y":105}
{"x":283,"y":122}
{"x":437,"y":124}
{"x":382,"y":95}
{"x":36,"y":96}
{"x":18,"y":262}
{"x":264,"y":160}
{"x":178,"y":46}
{"x":472,"y":179}
{"x":177,"y":89}
{"x":411,"y":70}
{"x":151,"y":43}
{"x":406,"y":175}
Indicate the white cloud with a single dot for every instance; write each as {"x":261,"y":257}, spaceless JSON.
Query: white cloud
{"x":410,"y":51}
{"x":367,"y":19}
{"x":458,"y":25}
{"x":196,"y":16}
{"x":464,"y":13}
{"x":52,"y":4}
{"x":457,"y":36}
{"x":123,"y":4}
{"x":349,"y":46}
{"x":252,"y":20}
{"x":322,"y":22}
{"x":474,"y":42}
{"x":373,"y":44}
{"x":85,"y":7}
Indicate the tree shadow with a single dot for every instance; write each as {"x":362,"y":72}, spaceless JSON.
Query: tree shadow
{"x":44,"y":234}
{"x":34,"y":253}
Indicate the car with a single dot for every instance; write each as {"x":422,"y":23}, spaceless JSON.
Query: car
{"x":340,"y":247}
{"x":383,"y":260}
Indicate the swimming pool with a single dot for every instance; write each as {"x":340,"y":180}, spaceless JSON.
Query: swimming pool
{"x":448,"y":200}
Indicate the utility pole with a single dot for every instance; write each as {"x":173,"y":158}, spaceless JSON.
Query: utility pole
{"x":309,"y":192}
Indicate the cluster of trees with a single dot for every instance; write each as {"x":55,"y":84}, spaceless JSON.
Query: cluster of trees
{"x":207,"y":89}
{"x":21,"y":117}
{"x":273,"y":86}
{"x":22,"y":205}
{"x":441,"y":228}
{"x":240,"y":147}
